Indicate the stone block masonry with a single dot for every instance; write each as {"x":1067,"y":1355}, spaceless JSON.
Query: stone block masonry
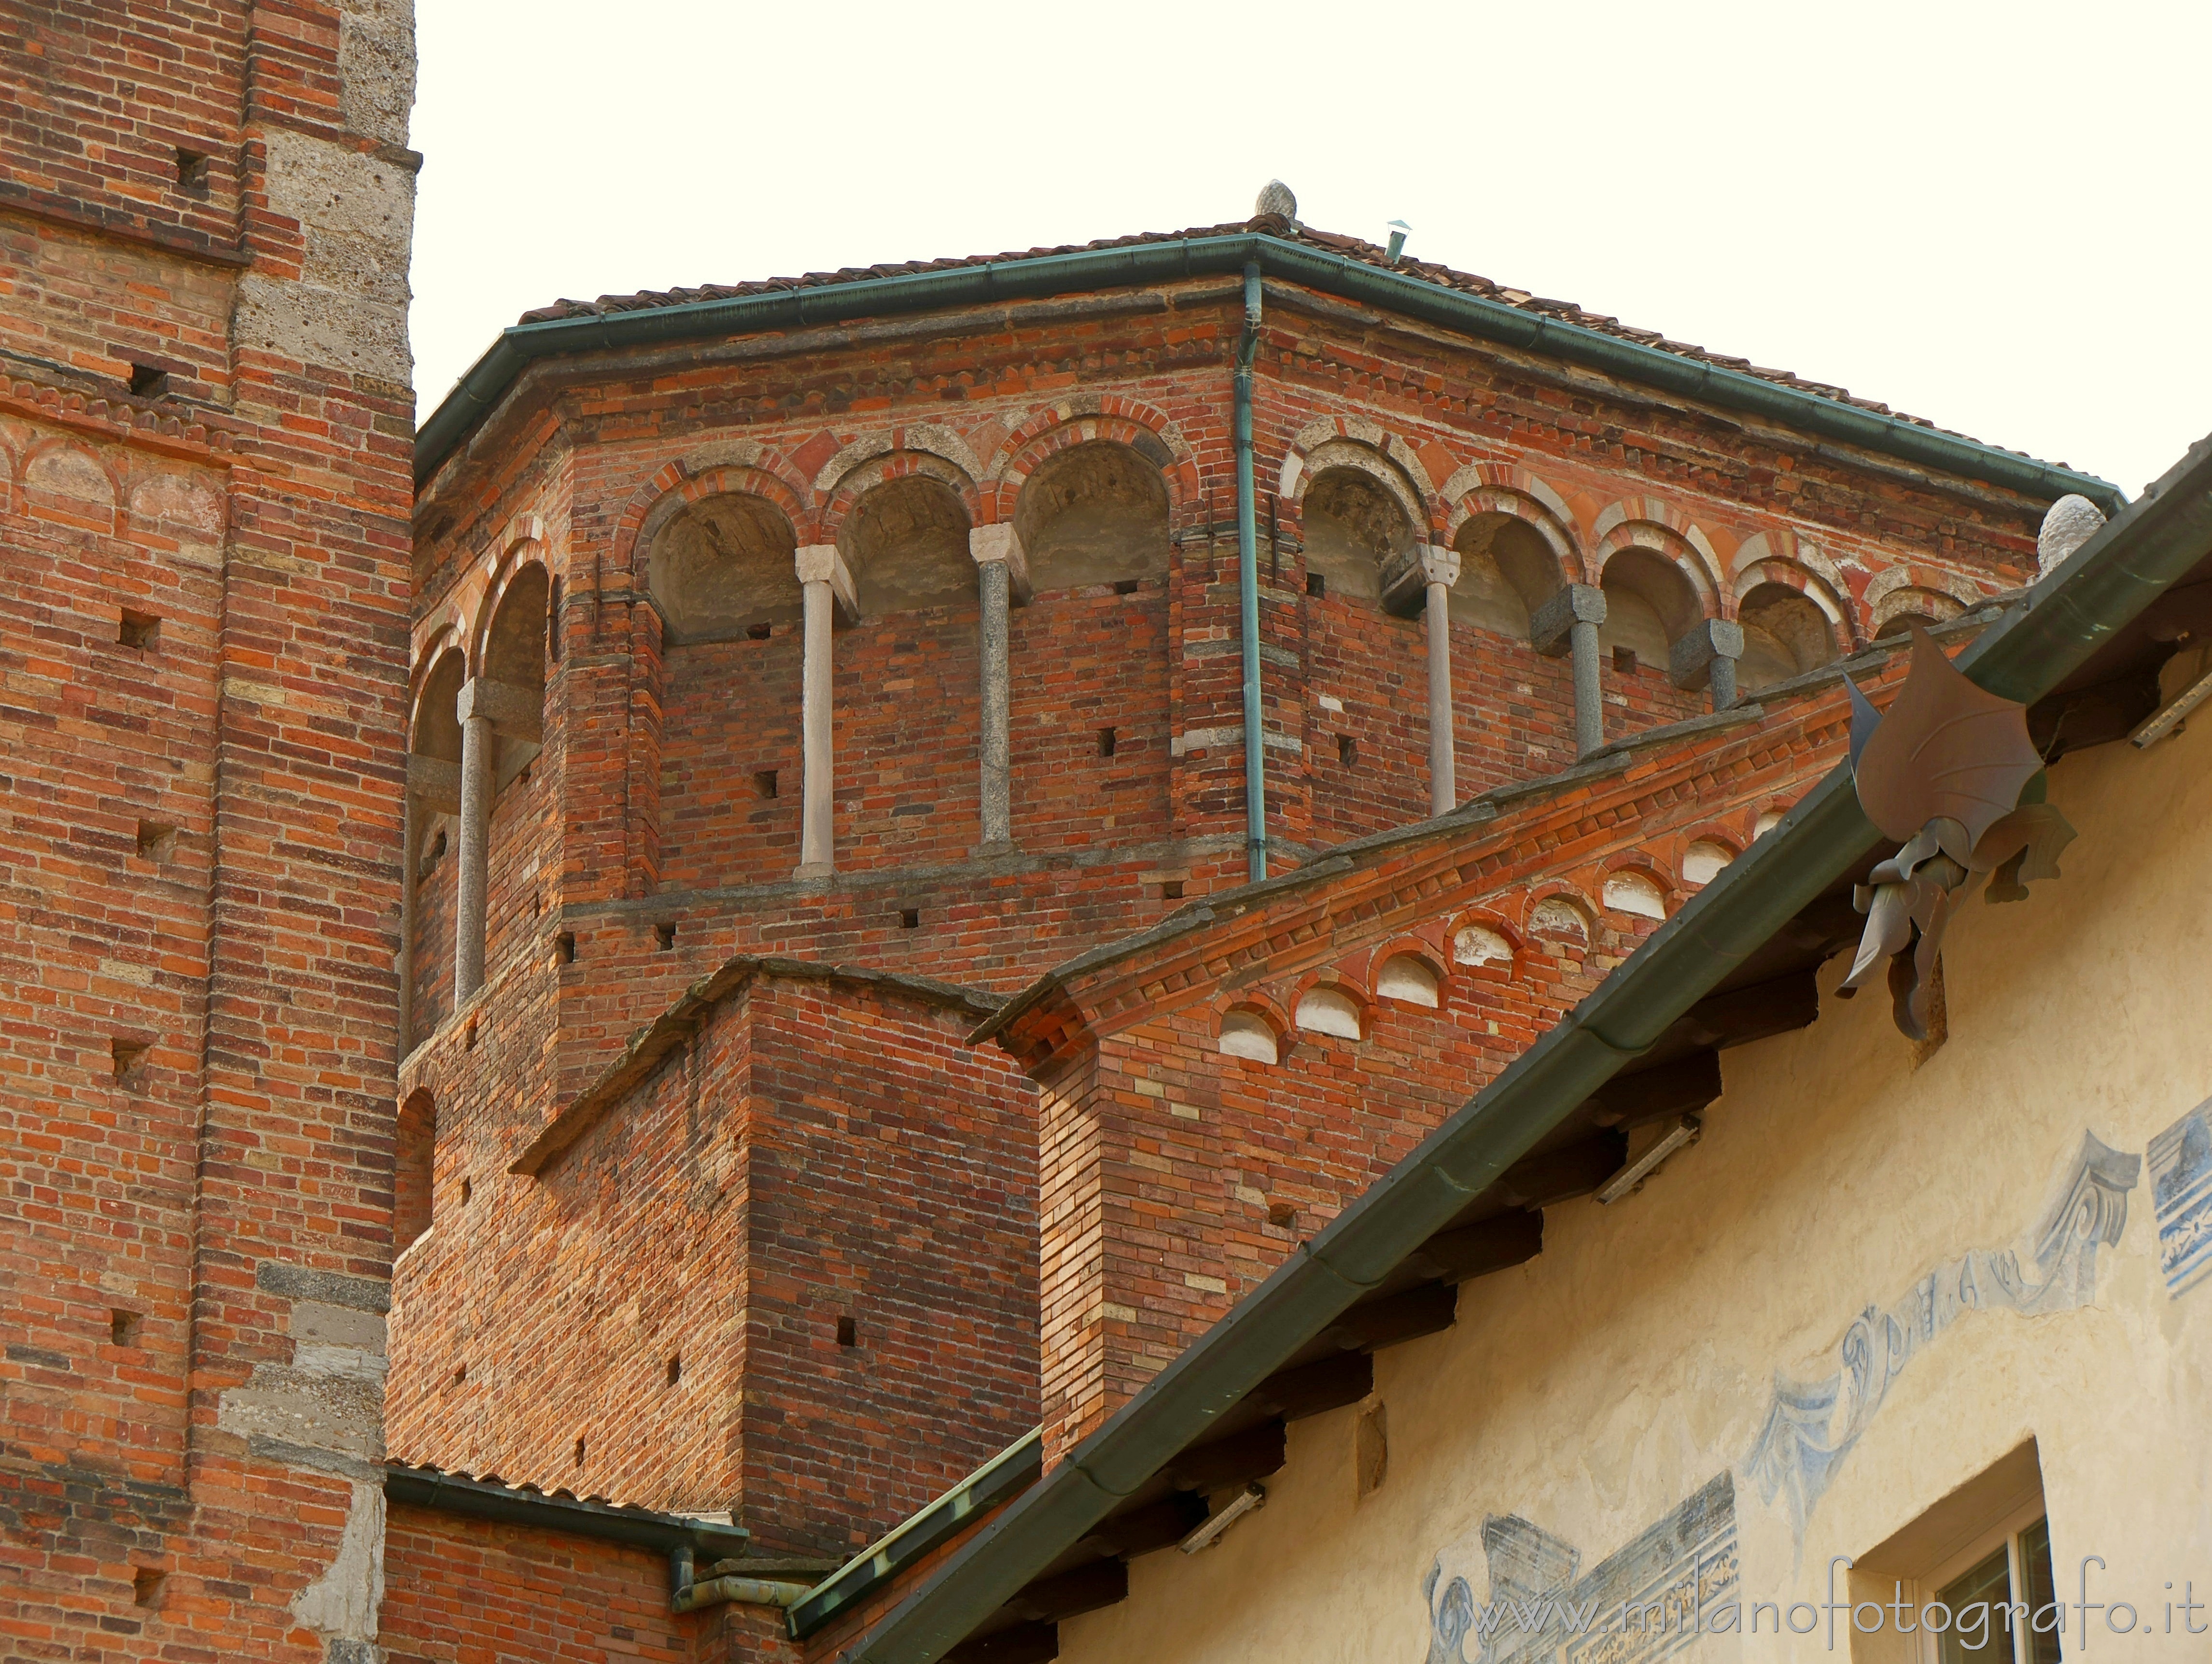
{"x":204,"y":440}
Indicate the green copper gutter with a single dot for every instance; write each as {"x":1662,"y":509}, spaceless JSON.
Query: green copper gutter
{"x":2024,"y":655}
{"x":1135,"y":264}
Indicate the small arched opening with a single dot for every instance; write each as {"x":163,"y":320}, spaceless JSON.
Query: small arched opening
{"x":1507,"y":570}
{"x":1785,"y":634}
{"x":1355,"y":526}
{"x":1649,"y":603}
{"x":721,"y":568}
{"x":1635,"y":893}
{"x":1095,"y":512}
{"x":1326,"y":1010}
{"x":434,"y":735}
{"x":515,"y":656}
{"x":415,"y":1149}
{"x":1247,"y":1033}
{"x":907,"y":544}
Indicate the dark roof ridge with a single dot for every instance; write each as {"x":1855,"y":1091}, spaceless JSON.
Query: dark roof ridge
{"x":645,"y":1050}
{"x":1348,"y":267}
{"x":491,"y":1497}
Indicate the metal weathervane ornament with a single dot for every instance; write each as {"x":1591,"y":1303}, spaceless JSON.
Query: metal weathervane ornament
{"x":1951,"y":774}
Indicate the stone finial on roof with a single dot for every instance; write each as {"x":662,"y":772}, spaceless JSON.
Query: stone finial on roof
{"x":2067,"y":525}
{"x":1276,"y":198}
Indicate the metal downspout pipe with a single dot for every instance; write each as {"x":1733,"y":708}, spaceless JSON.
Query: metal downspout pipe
{"x":1248,"y":588}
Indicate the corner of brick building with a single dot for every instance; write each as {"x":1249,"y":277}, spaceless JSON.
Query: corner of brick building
{"x":770,"y":1277}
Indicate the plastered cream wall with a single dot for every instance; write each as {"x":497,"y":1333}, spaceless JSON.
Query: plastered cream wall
{"x":1596,"y":1391}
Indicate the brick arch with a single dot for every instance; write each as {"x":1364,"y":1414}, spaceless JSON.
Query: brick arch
{"x":60,"y":445}
{"x":836,"y":513}
{"x":1426,"y":508}
{"x":1492,"y":920}
{"x":1644,"y":863}
{"x":1837,"y":610}
{"x":1056,"y":428}
{"x":1908,"y":599}
{"x":521,"y":543}
{"x":1254,"y":999}
{"x":1500,"y":487}
{"x":1909,"y":575}
{"x":1559,"y":889}
{"x":1417,"y":943}
{"x":919,"y":438}
{"x":1650,"y":523}
{"x":444,"y":639}
{"x":1336,"y":981}
{"x":738,"y":468}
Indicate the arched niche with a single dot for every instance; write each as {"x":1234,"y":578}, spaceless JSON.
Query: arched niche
{"x":1632,"y":892}
{"x":1410,"y":979}
{"x":415,"y":1157}
{"x":1785,"y":634}
{"x":1900,"y":610}
{"x":907,"y":543}
{"x":1247,"y":1033}
{"x":721,"y":566}
{"x":1561,"y":919}
{"x":1506,"y":571}
{"x":1326,"y":1010}
{"x":1095,"y":512}
{"x":1649,"y":602}
{"x":515,"y":653}
{"x":1353,"y":526}
{"x":435,"y":729}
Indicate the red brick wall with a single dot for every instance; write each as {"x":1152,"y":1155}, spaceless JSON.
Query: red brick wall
{"x":782,"y":1171}
{"x":462,"y":1591}
{"x":181,"y":1246}
{"x":1161,"y":1158}
{"x":890,"y":1183}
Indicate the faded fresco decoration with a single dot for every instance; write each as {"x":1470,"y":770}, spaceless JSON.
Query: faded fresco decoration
{"x":1811,"y":1427}
{"x":1648,"y":1601}
{"x":2181,"y":1192}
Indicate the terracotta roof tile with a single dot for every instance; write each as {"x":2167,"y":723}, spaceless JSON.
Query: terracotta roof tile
{"x":1336,"y":243}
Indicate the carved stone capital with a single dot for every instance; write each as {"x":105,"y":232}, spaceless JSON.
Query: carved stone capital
{"x":1001,"y":543}
{"x":820,"y":563}
{"x":515,"y":713}
{"x":1551,"y":626}
{"x":1690,"y":662}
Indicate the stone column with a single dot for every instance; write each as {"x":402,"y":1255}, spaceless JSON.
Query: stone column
{"x":469,"y":906}
{"x":826,"y":583}
{"x":1440,"y":571}
{"x":1568,"y":624}
{"x":1002,"y":574}
{"x":1705,"y":657}
{"x":433,"y":787}
{"x":488,"y":711}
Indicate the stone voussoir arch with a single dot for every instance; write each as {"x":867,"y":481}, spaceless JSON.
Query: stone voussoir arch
{"x":1084,"y":420}
{"x":520,"y":543}
{"x":834,"y":516}
{"x":1895,"y":590}
{"x":1652,"y":523}
{"x":740,"y":468}
{"x":1360,"y":442}
{"x":1501,"y":488}
{"x":917,"y":438}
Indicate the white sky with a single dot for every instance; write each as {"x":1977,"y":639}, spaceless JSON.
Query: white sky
{"x":1992,"y":216}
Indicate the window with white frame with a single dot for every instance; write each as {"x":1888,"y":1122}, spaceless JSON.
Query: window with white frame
{"x":1969,"y":1581}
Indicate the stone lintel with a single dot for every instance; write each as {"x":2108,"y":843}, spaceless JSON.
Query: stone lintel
{"x":820,"y":563}
{"x":1551,"y":626}
{"x":515,"y":713}
{"x":1691,"y":663}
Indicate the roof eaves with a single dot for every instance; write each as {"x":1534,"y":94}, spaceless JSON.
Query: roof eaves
{"x":2068,"y":614}
{"x":492,"y":1499}
{"x":645,"y":1050}
{"x":1435,"y":294}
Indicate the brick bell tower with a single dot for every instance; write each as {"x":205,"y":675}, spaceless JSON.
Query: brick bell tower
{"x":205,"y":426}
